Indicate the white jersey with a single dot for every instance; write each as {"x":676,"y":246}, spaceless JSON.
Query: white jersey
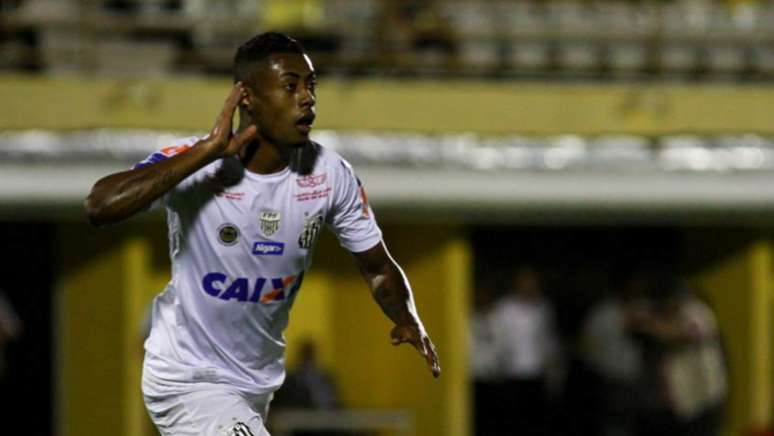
{"x":240,"y":243}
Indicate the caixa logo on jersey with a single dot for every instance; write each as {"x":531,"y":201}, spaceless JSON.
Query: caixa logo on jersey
{"x":257,"y":290}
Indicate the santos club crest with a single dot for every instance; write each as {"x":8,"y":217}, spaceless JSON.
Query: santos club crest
{"x":311,"y":230}
{"x":270,"y":221}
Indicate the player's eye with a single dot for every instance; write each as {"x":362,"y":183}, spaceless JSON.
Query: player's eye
{"x":312,"y":86}
{"x":290,"y":87}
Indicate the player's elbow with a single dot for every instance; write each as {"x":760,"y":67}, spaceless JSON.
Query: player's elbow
{"x":95,"y":211}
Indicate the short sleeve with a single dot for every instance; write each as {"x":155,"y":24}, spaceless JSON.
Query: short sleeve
{"x":351,"y":217}
{"x":178,"y":146}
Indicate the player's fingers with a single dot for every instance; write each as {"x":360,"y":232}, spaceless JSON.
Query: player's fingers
{"x":424,"y":350}
{"x":431,"y":358}
{"x":398,"y":337}
{"x":415,"y":340}
{"x":422,"y":344}
{"x":233,"y":99}
{"x":435,"y":366}
{"x":229,"y":107}
{"x":401,"y":335}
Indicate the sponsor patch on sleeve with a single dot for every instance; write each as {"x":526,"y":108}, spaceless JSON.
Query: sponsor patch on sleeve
{"x":163,"y":154}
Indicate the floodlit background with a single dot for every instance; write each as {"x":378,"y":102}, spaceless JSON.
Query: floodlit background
{"x":580,"y":191}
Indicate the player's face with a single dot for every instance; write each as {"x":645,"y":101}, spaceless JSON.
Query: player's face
{"x":284,"y":98}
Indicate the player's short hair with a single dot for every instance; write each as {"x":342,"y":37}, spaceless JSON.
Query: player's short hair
{"x":259,"y":48}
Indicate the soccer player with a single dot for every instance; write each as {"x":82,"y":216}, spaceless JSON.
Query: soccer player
{"x":244,"y":210}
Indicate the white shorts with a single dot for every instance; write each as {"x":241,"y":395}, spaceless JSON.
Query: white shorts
{"x":203,"y":409}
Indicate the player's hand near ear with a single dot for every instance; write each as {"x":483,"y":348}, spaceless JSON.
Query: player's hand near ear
{"x":222,"y":140}
{"x":119,"y":196}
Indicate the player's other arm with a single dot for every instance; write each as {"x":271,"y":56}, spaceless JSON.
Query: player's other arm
{"x":392,"y":292}
{"x":119,"y":196}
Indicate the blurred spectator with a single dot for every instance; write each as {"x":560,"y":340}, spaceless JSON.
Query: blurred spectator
{"x":484,"y":360}
{"x":10,"y":330}
{"x":615,"y":356}
{"x":412,"y":27}
{"x":132,"y":6}
{"x":685,"y":362}
{"x":308,"y":386}
{"x":526,"y":337}
{"x":10,"y":4}
{"x":306,"y":20}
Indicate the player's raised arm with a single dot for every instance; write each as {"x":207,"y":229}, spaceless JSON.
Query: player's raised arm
{"x":392,"y":292}
{"x":121,"y":195}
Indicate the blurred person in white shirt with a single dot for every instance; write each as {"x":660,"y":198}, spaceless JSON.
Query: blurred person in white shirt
{"x":529,"y":349}
{"x":613,"y":352}
{"x":685,"y":362}
{"x":484,"y":359}
{"x":10,"y":329}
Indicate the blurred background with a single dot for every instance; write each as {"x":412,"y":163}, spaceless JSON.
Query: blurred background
{"x":581,"y":193}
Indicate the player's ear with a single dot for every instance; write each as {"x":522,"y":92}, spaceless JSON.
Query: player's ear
{"x":244,"y":100}
{"x":244,"y":103}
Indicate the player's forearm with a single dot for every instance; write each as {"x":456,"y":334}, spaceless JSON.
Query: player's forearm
{"x":121,"y":195}
{"x":392,"y":292}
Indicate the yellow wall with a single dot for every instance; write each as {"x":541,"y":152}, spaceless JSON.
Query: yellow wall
{"x":105,"y":282}
{"x":109,"y":275}
{"x":430,"y":106}
{"x":739,"y":287}
{"x":90,"y":329}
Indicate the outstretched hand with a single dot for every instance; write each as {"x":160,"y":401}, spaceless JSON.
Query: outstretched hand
{"x":221,"y":138}
{"x":418,"y":338}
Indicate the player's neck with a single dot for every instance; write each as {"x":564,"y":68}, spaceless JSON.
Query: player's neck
{"x":265,"y":157}
{"x":262,"y":156}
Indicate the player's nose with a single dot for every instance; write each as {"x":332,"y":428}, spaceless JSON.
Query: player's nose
{"x":308,"y":99}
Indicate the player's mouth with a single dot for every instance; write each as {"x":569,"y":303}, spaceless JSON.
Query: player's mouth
{"x":304,"y":124}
